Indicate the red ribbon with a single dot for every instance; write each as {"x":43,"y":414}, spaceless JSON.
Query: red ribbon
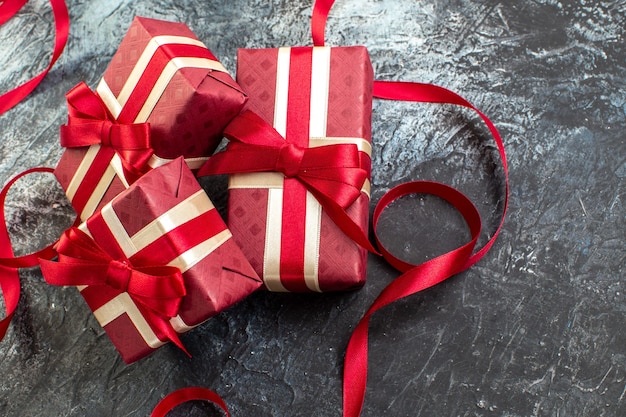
{"x":415,"y":278}
{"x":159,"y":289}
{"x":9,"y":264}
{"x":183,"y":395}
{"x":62,"y":26}
{"x":89,"y":123}
{"x":332,"y":173}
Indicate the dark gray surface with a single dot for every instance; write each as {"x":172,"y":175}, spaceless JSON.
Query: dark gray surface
{"x":535,"y":329}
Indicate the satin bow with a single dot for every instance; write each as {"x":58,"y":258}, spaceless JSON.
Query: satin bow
{"x":159,"y":289}
{"x":328,"y":172}
{"x":332,"y":173}
{"x":90,"y":123}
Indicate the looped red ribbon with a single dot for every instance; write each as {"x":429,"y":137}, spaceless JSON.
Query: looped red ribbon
{"x":332,"y":173}
{"x":160,"y":289}
{"x":90,"y":123}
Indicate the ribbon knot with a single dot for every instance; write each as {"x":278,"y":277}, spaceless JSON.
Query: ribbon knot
{"x":289,"y":159}
{"x":332,"y":173}
{"x":118,"y":275}
{"x":157,"y":290}
{"x":90,"y":123}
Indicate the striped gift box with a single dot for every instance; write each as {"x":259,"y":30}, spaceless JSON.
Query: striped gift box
{"x":312,"y":97}
{"x":161,"y":74}
{"x":165,"y":218}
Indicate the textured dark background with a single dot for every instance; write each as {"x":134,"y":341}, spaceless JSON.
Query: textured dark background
{"x":535,"y":329}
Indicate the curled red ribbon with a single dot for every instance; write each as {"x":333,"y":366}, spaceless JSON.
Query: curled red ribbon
{"x":160,"y":289}
{"x":332,"y":173}
{"x":178,"y":397}
{"x":90,"y":123}
{"x":8,"y":9}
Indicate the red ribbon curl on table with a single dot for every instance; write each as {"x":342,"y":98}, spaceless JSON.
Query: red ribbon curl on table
{"x":89,"y":123}
{"x":178,"y":397}
{"x":415,"y":278}
{"x":9,"y":276}
{"x":8,"y":9}
{"x":332,"y":173}
{"x":82,"y":261}
{"x":9,"y":263}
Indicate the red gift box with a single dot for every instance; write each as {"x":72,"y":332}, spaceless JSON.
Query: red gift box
{"x":164,"y":220}
{"x":161,"y":75}
{"x":313,"y":97}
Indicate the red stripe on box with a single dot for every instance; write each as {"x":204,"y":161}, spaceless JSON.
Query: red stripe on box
{"x":294,"y":194}
{"x":179,"y":240}
{"x":162,"y":56}
{"x":93,"y":175}
{"x":104,"y":236}
{"x":98,"y":295}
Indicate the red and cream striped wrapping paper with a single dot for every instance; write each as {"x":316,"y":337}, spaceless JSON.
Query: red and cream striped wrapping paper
{"x":313,"y":97}
{"x":165,"y":218}
{"x":161,"y":74}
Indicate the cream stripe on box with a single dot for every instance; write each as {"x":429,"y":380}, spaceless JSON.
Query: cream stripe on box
{"x":180,"y":326}
{"x":98,"y":192}
{"x":166,"y":76}
{"x":319,"y":91}
{"x":116,"y":163}
{"x":188,"y":259}
{"x":183,"y":212}
{"x":274,"y":223}
{"x":108,"y":98}
{"x":366,"y":188}
{"x":81,"y":171}
{"x":192,"y":163}
{"x":124,"y":304}
{"x":144,"y":60}
{"x":320,"y":76}
{"x":282,"y":90}
{"x":312,"y":243}
{"x":257,"y":180}
{"x":117,"y":228}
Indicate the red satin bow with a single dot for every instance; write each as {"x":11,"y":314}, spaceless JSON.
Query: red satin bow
{"x":82,"y":261}
{"x":89,"y":123}
{"x":332,"y":173}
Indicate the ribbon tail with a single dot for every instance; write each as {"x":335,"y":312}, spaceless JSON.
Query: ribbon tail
{"x":345,"y":222}
{"x":170,"y":334}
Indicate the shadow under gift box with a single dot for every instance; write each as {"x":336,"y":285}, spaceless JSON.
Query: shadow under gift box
{"x":312,"y":96}
{"x":165,"y":218}
{"x":161,"y":74}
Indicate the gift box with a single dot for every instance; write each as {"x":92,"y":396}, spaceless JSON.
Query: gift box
{"x":318,"y":102}
{"x":161,"y":76}
{"x":154,"y":262}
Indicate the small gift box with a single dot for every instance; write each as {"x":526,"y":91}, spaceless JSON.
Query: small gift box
{"x":163,"y":95}
{"x":308,"y":115}
{"x":154,"y":262}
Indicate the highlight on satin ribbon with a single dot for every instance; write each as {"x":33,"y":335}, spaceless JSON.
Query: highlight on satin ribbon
{"x":8,"y":9}
{"x":183,"y":395}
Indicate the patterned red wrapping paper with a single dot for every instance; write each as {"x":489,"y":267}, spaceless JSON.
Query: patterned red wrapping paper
{"x":161,"y":74}
{"x":313,"y":97}
{"x":165,"y":218}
